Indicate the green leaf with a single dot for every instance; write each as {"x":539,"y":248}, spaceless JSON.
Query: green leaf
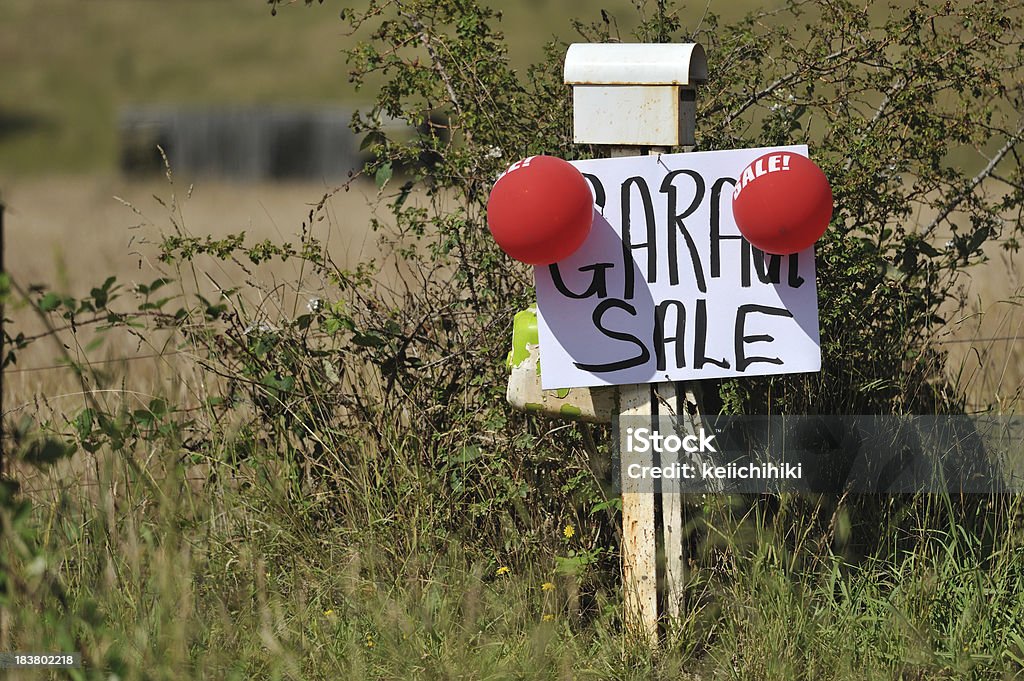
{"x":614,"y":504}
{"x":46,"y":452}
{"x":213,"y":312}
{"x":83,"y":423}
{"x":156,"y":305}
{"x":143,"y":417}
{"x":332,"y":325}
{"x":49,"y":302}
{"x":403,"y":194}
{"x":262,"y":346}
{"x":383,"y":175}
{"x":276,"y":383}
{"x":158,"y":407}
{"x":374,"y":138}
{"x":157,"y":283}
{"x":928,"y":249}
{"x":569,"y":565}
{"x":979,"y":237}
{"x":466,"y":454}
{"x":108,"y":426}
{"x":368,"y":340}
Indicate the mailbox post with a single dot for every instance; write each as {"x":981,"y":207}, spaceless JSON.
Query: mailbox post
{"x":641,"y":99}
{"x":635,"y":99}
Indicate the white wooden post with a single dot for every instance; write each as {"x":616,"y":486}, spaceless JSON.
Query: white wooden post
{"x":639,"y":99}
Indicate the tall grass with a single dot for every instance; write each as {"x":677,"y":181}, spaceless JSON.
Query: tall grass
{"x":155,"y":578}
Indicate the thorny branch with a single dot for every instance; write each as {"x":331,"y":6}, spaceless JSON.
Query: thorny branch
{"x":985,"y":172}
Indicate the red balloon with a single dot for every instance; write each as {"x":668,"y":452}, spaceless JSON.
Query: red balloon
{"x":540,"y":210}
{"x":782,"y":203}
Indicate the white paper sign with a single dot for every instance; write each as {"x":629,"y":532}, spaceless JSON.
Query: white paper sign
{"x":666,"y":289}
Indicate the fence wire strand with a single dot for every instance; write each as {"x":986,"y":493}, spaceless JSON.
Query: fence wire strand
{"x":115,"y":360}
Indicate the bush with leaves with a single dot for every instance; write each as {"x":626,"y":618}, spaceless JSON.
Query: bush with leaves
{"x":913,"y":113}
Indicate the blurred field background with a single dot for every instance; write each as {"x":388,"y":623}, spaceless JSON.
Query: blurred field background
{"x":69,"y":66}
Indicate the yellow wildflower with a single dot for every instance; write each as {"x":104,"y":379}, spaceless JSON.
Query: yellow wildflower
{"x":547,"y":586}
{"x":503,"y":570}
{"x":549,"y":618}
{"x":569,"y":532}
{"x":369,"y":641}
{"x":328,"y":612}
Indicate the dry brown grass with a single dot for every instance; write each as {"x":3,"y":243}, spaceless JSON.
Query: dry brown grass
{"x":70,"y":233}
{"x":985,"y":340}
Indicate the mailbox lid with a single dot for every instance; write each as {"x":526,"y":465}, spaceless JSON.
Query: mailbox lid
{"x":635,"y":64}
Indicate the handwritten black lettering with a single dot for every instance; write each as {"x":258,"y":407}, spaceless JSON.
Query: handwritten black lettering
{"x":700,"y":339}
{"x":638,"y":360}
{"x":651,"y":245}
{"x":598,"y":284}
{"x":679,"y":337}
{"x":676,"y":222}
{"x":742,"y":361}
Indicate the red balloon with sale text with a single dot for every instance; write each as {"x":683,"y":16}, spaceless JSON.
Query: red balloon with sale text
{"x":782,"y":203}
{"x":540,"y":210}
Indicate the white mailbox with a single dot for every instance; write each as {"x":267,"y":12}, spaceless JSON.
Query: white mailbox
{"x":635,"y":94}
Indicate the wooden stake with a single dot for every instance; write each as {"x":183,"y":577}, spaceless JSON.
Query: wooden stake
{"x":640,"y":99}
{"x":682,"y":403}
{"x":673,"y":521}
{"x":639,"y":543}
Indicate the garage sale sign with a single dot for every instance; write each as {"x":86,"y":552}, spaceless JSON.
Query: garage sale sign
{"x":665,"y":288}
